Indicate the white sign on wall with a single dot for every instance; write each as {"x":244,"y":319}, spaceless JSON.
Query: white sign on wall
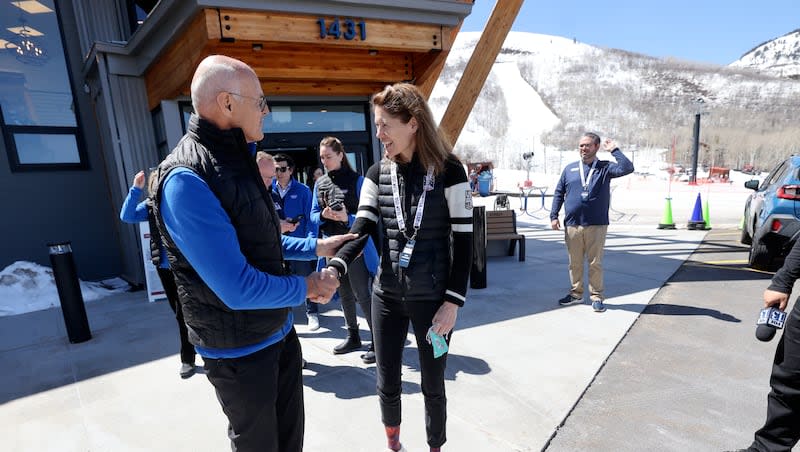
{"x":155,"y":291}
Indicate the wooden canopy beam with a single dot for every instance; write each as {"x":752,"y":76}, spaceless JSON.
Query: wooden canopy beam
{"x":428,"y":66}
{"x":478,"y":67}
{"x":307,"y":29}
{"x":291,"y":57}
{"x":172,"y":73}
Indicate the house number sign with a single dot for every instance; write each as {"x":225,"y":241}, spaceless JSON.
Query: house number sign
{"x":342,"y":28}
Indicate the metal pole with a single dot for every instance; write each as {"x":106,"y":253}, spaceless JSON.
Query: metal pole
{"x":477,"y":274}
{"x":695,"y":149}
{"x":69,"y":292}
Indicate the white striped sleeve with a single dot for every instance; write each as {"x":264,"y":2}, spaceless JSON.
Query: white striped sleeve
{"x":459,"y":202}
{"x":368,"y":202}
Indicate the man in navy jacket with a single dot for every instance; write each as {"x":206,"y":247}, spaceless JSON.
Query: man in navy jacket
{"x":585,"y":191}
{"x":294,"y":201}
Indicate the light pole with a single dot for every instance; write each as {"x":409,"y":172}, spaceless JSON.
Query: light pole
{"x":699,"y":110}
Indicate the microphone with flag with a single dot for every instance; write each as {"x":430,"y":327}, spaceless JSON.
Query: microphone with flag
{"x":769,"y":320}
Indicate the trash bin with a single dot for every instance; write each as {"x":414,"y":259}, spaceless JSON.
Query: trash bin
{"x":69,"y":292}
{"x":484,"y":183}
{"x":477,"y":274}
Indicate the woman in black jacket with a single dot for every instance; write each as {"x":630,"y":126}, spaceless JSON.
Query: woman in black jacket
{"x":333,"y":208}
{"x":420,"y":194}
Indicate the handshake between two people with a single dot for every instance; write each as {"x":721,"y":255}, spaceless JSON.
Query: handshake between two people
{"x":321,"y":285}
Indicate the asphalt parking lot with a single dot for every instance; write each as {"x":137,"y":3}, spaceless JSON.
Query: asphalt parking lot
{"x":689,"y":375}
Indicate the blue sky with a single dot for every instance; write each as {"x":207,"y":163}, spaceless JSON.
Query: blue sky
{"x":710,"y":31}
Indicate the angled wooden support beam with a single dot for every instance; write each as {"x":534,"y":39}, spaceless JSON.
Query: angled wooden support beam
{"x":478,"y":67}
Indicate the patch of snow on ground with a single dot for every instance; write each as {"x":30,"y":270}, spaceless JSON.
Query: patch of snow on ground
{"x":27,"y":287}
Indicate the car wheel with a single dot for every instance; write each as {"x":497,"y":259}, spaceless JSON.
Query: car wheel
{"x":745,"y":239}
{"x":759,"y":255}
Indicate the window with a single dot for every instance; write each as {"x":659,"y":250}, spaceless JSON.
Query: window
{"x":37,"y":107}
{"x":138,"y":10}
{"x":315,"y":118}
{"x":161,"y":133}
{"x":186,"y":113}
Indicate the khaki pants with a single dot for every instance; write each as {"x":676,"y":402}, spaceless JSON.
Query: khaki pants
{"x":586,"y":242}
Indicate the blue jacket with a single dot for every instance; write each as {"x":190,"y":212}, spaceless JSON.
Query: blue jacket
{"x":593,"y":210}
{"x":208,"y":241}
{"x":297,"y":201}
{"x":136,"y":213}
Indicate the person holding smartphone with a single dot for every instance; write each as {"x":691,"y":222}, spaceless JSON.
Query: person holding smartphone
{"x":266,"y":167}
{"x":333,"y":208}
{"x":419,"y":197}
{"x":293,"y":202}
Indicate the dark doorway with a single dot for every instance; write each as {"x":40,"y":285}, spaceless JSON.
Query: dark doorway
{"x":296,"y":128}
{"x":304,"y":149}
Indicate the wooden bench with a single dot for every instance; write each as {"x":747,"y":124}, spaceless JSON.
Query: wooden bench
{"x":502,"y":225}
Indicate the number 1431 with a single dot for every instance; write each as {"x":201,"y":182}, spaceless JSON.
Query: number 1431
{"x":347,"y":29}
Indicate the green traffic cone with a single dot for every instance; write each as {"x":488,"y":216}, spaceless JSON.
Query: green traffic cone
{"x":706,"y":216}
{"x":666,"y":220}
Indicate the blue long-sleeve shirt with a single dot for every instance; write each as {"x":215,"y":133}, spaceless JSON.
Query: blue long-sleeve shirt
{"x":131,"y":212}
{"x":593,"y":210}
{"x":204,"y":234}
{"x":296,"y":201}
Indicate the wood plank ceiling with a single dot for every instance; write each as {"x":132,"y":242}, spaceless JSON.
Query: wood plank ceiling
{"x":291,"y":56}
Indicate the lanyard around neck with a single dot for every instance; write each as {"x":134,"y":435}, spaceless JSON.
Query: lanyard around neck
{"x":398,"y":208}
{"x":585,"y":180}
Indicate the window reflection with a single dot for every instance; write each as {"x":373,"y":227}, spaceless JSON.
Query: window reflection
{"x":37,"y":109}
{"x":34,"y":85}
{"x":315,"y":118}
{"x":40,"y":148}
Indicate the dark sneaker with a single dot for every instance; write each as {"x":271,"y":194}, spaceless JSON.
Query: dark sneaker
{"x":598,"y":306}
{"x":369,"y":357}
{"x":569,"y":299}
{"x":187,"y":370}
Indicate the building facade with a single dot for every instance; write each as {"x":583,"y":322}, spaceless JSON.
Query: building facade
{"x":92,"y":92}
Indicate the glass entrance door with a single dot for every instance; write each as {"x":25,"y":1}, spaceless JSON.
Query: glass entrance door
{"x":297,"y":128}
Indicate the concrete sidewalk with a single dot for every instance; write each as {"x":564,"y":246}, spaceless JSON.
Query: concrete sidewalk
{"x":518,"y":363}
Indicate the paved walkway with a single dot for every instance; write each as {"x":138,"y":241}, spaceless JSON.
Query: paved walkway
{"x":518,"y":363}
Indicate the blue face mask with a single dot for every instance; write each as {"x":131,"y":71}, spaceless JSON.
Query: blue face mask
{"x":437,"y":342}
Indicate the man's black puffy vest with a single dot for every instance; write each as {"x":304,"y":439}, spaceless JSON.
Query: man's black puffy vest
{"x":155,"y":236}
{"x":222,"y":159}
{"x":425,"y":279}
{"x":346,"y":181}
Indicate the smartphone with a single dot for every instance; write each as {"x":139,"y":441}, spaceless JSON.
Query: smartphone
{"x":336,"y":205}
{"x":296,"y":219}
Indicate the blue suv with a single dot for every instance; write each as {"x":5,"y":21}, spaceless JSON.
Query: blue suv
{"x":772,"y":215}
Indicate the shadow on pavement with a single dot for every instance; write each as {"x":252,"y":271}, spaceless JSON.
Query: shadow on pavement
{"x":674,"y":309}
{"x":328,"y":379}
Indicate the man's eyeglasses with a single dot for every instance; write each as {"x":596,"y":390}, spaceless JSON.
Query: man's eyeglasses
{"x":262,"y":100}
{"x":281,"y":169}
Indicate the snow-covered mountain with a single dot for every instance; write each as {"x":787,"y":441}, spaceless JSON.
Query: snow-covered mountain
{"x":544,"y":91}
{"x":779,"y":57}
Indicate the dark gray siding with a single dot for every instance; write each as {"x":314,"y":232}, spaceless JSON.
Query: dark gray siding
{"x":73,"y":206}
